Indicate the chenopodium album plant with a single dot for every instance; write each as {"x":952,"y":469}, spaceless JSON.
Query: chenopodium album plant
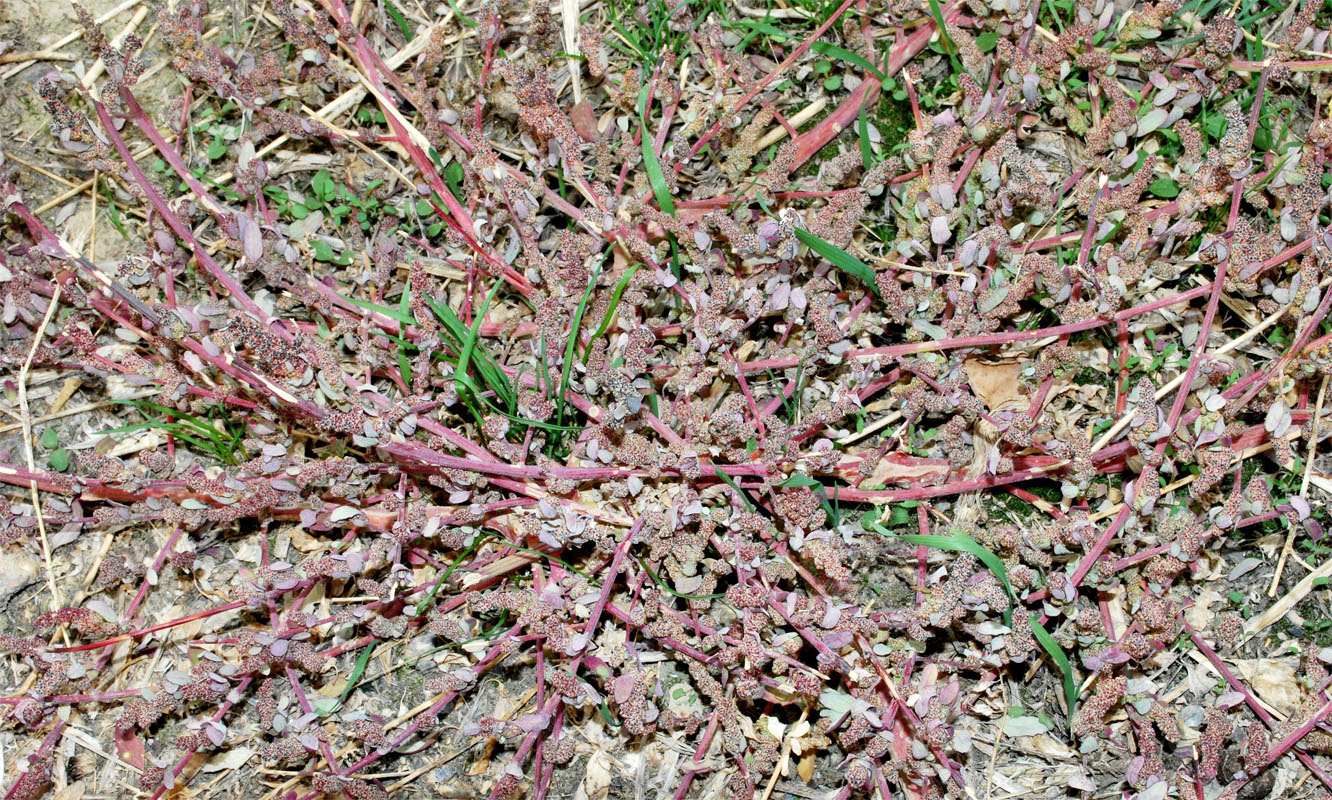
{"x":603,"y":372}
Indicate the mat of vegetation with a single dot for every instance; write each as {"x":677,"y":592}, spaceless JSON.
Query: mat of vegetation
{"x":665,"y":399}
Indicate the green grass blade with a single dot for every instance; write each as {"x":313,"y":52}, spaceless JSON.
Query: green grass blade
{"x":961,"y":543}
{"x":411,"y":348}
{"x":362,"y":661}
{"x":937,"y":13}
{"x":469,"y":345}
{"x":405,"y":365}
{"x":760,"y":27}
{"x":143,"y":405}
{"x":614,"y":304}
{"x":215,"y":447}
{"x":491,"y":375}
{"x":545,"y":426}
{"x":544,"y":383}
{"x":463,"y":18}
{"x":862,"y":129}
{"x":1060,"y":658}
{"x":182,"y":432}
{"x":550,"y":558}
{"x":452,"y":324}
{"x":833,"y":51}
{"x":574,"y":325}
{"x":1054,"y":12}
{"x":188,"y":422}
{"x":398,"y":19}
{"x":670,"y":590}
{"x":114,"y":211}
{"x":631,"y":39}
{"x":839,"y":258}
{"x":492,"y":631}
{"x":444,"y":576}
{"x":729,"y":481}
{"x":391,"y":313}
{"x":655,"y":176}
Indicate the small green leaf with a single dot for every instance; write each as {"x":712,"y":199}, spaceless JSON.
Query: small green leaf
{"x":50,"y":438}
{"x":322,"y":250}
{"x":453,"y":176}
{"x":59,"y":460}
{"x":216,"y":149}
{"x":899,"y":515}
{"x":987,"y":41}
{"x":834,"y":703}
{"x":839,"y":258}
{"x":799,"y":479}
{"x":832,"y":83}
{"x":323,"y":185}
{"x":1164,"y":187}
{"x":929,"y":329}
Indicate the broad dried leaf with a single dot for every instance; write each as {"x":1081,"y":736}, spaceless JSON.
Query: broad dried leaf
{"x":997,"y":384}
{"x":1273,"y":680}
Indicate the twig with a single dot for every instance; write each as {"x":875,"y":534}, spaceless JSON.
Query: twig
{"x":569,"y":16}
{"x":1304,"y":488}
{"x":797,"y":119}
{"x":70,"y":38}
{"x":27,"y":446}
{"x":998,"y":738}
{"x":35,"y":55}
